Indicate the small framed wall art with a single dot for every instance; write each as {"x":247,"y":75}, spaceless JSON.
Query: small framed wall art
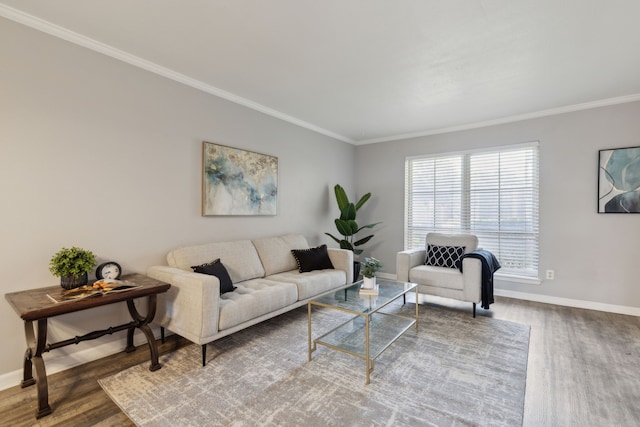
{"x":238,"y":182}
{"x":619,"y":180}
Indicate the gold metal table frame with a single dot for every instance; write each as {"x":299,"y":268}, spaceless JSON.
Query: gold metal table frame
{"x":369,"y":332}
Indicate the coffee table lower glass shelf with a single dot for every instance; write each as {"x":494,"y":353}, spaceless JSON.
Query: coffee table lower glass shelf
{"x":370,"y":332}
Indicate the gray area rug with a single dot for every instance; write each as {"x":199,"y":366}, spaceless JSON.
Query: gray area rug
{"x":455,"y":370}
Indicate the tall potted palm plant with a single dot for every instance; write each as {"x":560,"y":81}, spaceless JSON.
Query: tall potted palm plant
{"x":348,"y":227}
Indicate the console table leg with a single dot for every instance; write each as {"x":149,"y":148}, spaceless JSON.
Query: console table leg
{"x":27,"y":372}
{"x":130,"y":347}
{"x":142,"y":324}
{"x":41,"y":372}
{"x":36,"y":342}
{"x":153,"y":349}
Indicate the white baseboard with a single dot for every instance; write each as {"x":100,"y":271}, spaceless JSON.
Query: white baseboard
{"x":568,"y":302}
{"x":548,"y":299}
{"x":58,"y":361}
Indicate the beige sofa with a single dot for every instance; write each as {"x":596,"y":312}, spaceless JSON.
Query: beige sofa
{"x":264,"y":273}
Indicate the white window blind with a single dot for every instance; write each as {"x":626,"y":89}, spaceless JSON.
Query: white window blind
{"x":492,"y":194}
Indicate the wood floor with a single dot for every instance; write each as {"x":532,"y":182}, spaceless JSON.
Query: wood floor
{"x":583,"y":370}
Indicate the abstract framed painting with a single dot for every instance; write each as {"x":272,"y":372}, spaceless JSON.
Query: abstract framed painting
{"x":619,"y":180}
{"x":238,"y":182}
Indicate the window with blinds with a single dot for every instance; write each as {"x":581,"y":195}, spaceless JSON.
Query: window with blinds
{"x":492,"y":194}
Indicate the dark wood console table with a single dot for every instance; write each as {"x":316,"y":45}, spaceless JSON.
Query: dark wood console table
{"x":34,"y":306}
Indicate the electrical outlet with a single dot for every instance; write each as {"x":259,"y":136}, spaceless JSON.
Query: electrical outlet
{"x":551,"y":274}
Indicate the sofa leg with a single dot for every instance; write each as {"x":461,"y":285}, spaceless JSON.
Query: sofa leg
{"x":162,"y":334}
{"x":204,"y":354}
{"x":474,"y":310}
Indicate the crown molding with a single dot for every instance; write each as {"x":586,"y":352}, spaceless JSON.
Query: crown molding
{"x":78,"y":39}
{"x":89,"y":43}
{"x":528,"y":116}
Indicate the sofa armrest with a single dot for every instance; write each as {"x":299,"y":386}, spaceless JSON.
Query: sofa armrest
{"x":406,"y":260}
{"x":191,"y":306}
{"x":472,"y":279}
{"x":342,"y":259}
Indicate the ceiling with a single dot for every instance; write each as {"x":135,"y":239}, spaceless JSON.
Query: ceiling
{"x":366,"y":71}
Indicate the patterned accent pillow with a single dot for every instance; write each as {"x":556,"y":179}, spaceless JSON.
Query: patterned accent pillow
{"x":444,"y":256}
{"x":216,"y":268}
{"x":312,"y":259}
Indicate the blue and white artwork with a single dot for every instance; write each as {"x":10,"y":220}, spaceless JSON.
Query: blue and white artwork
{"x":238,"y":182}
{"x":619,"y":181}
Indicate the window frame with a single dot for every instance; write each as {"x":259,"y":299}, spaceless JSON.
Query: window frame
{"x":465,"y":194}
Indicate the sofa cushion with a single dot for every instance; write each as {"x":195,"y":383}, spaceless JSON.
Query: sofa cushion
{"x":253,"y":298}
{"x":444,"y":256}
{"x":436,"y":276}
{"x":312,"y":283}
{"x":216,"y":268}
{"x":312,"y":259}
{"x":239,"y":257}
{"x":275,"y":252}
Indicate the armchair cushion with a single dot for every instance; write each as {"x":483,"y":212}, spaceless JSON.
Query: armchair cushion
{"x":444,"y":256}
{"x":437,"y":276}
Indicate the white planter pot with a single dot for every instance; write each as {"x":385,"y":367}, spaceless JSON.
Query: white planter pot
{"x":369,"y":282}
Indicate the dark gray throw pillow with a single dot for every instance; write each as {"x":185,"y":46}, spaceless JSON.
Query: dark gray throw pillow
{"x":444,"y":256}
{"x":312,"y":259}
{"x":216,"y":268}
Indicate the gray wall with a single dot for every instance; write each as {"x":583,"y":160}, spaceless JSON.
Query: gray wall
{"x":102,"y":155}
{"x":593,"y":255}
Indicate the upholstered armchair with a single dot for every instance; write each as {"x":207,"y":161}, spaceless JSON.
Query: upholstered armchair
{"x":435,"y":271}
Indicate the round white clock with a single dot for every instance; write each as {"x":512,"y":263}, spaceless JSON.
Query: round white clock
{"x":108,"y":270}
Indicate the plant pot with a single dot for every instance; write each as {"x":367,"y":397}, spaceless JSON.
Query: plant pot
{"x":369,"y":282}
{"x":71,"y":282}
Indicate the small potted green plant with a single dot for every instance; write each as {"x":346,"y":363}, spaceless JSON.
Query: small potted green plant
{"x":72,"y":266}
{"x":369,"y":267}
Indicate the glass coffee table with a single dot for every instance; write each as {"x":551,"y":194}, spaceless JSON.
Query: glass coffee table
{"x":370,"y":331}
